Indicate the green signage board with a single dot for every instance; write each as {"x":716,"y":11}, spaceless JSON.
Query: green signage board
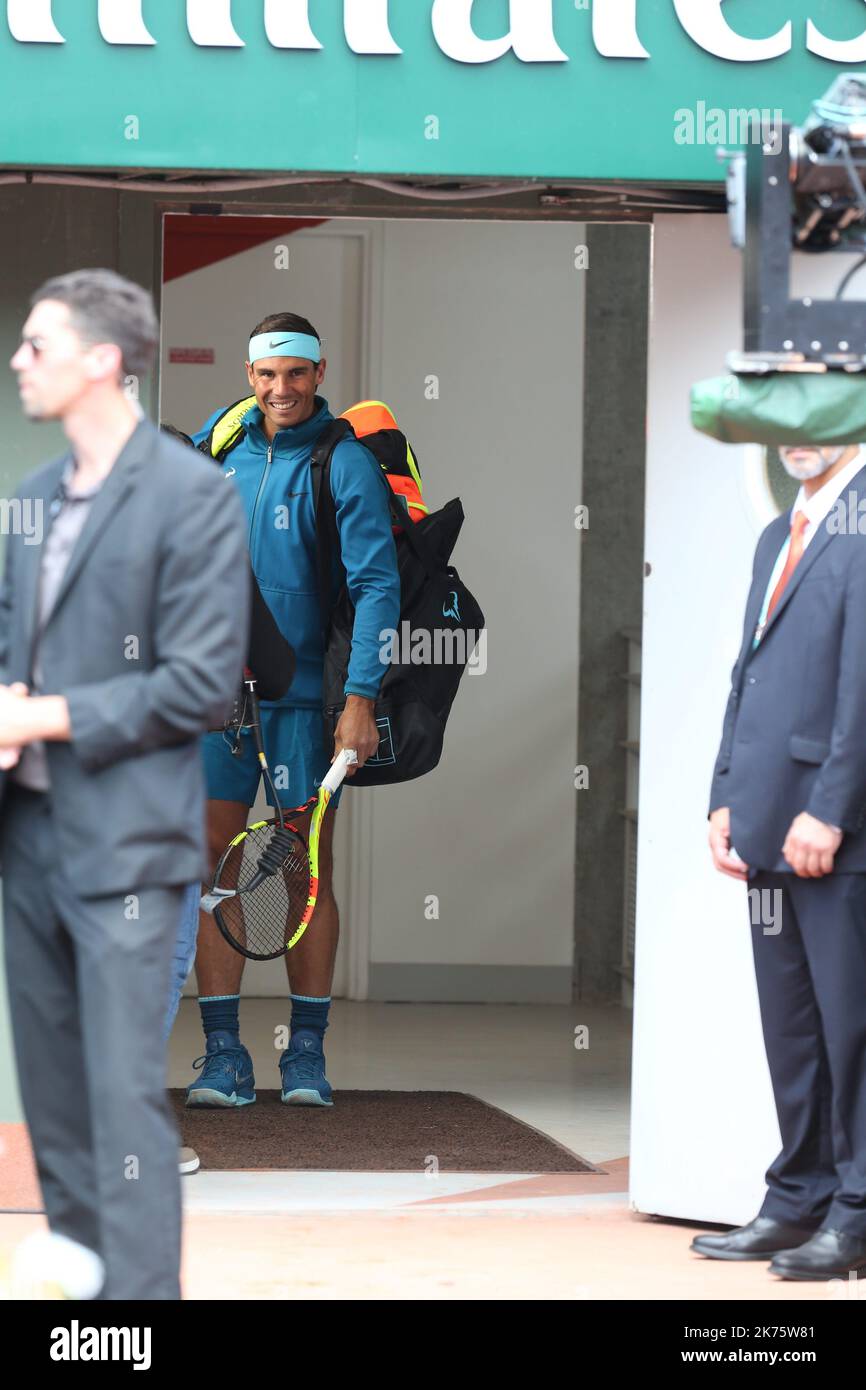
{"x":583,"y":89}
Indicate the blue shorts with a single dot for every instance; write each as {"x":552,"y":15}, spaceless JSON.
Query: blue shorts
{"x":296,"y":754}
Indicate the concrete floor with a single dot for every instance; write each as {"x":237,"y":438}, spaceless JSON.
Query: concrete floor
{"x":412,"y":1236}
{"x":449,"y":1251}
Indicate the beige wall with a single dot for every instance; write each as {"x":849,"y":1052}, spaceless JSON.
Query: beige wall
{"x":496,"y":313}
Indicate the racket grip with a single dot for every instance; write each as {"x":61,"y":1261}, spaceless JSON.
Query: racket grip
{"x":337,"y":772}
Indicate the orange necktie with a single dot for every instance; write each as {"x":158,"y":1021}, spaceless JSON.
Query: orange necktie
{"x":795,"y":552}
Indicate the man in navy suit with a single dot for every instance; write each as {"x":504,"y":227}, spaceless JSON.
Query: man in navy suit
{"x":787,"y":815}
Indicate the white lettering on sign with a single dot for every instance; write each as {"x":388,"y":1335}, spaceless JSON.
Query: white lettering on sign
{"x":121,"y":21}
{"x":614,"y":29}
{"x":31,"y":21}
{"x":287,"y":24}
{"x":210,"y":24}
{"x":837,"y":50}
{"x":531,"y":36}
{"x":704,"y":22}
{"x":366,"y":24}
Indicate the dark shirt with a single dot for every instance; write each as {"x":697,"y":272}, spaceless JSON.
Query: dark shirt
{"x":70,"y":512}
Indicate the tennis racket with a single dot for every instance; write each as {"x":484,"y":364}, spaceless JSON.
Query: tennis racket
{"x":265,"y":887}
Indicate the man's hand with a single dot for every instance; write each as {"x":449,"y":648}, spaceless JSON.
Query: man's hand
{"x":9,"y":755}
{"x":357,"y":728}
{"x":720,"y":845}
{"x":24,"y":718}
{"x":810,"y":846}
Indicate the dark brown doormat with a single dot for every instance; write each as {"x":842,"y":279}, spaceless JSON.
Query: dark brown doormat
{"x":373,"y":1132}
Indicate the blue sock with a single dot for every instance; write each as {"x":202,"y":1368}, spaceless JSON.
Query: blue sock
{"x":310,"y":1014}
{"x":219,"y":1013}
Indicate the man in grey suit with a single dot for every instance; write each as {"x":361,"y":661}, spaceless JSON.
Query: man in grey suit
{"x":788,"y":814}
{"x":122,"y":639}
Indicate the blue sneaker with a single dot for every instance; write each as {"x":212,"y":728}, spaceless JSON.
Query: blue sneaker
{"x":302,"y":1068}
{"x":227,"y":1073}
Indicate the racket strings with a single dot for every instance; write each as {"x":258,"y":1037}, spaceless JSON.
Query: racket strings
{"x":263,"y":920}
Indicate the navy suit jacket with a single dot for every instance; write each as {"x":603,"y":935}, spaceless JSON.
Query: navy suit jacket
{"x":794,"y":735}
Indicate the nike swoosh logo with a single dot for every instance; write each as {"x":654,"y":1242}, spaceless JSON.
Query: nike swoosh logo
{"x":231,"y":473}
{"x":281,"y":343}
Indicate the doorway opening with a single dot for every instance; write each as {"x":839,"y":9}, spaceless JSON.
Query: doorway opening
{"x":487,"y":340}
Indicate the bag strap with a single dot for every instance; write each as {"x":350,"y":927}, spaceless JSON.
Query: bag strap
{"x":206,"y":445}
{"x":327,"y":535}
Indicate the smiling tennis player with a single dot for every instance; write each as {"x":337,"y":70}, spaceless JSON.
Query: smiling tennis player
{"x":270,"y":467}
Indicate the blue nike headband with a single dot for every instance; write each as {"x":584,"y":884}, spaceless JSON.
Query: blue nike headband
{"x":282,"y":344}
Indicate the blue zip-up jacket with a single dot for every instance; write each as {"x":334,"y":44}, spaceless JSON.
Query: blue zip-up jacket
{"x":276,"y":486}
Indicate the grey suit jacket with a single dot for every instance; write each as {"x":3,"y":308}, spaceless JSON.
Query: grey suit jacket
{"x":794,"y":736}
{"x":147,"y":641}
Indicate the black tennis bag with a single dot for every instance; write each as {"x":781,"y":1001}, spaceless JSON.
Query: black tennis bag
{"x":440,"y":626}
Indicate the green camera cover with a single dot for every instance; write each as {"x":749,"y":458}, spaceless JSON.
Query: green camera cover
{"x":782,"y":408}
